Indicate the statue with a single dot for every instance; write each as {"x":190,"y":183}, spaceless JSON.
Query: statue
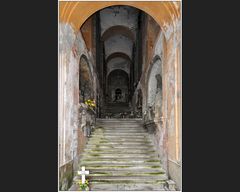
{"x":159,"y":82}
{"x":150,"y":114}
{"x":158,"y":98}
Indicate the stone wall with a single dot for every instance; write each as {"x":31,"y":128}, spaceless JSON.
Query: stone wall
{"x":68,"y":109}
{"x":168,"y":123}
{"x":172,"y":94}
{"x":65,"y":176}
{"x":71,"y":138}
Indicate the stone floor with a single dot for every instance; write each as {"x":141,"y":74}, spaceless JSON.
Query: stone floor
{"x":120,"y":156}
{"x":116,"y":110}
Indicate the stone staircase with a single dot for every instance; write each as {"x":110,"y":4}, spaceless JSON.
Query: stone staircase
{"x":120,"y":157}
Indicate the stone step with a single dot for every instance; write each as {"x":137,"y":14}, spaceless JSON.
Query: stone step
{"x":119,"y":139}
{"x":88,"y":146}
{"x":101,"y":186}
{"x":122,"y":131}
{"x":120,"y":162}
{"x":122,"y":167}
{"x":116,"y":119}
{"x":119,"y":124}
{"x":106,"y":130}
{"x":161,"y":177}
{"x":120,"y":121}
{"x":130,"y":155}
{"x":129,"y":171}
{"x":119,"y":142}
{"x":100,"y":158}
{"x":127,"y":180}
{"x":120,"y":151}
{"x":125,"y":174}
{"x":126,"y":171}
{"x":117,"y":136}
{"x":120,"y":134}
{"x":117,"y":130}
{"x":114,"y":126}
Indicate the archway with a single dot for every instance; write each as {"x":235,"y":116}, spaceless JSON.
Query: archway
{"x":122,"y":30}
{"x":170,"y":11}
{"x":118,"y":94}
{"x":85,"y":80}
{"x":154,"y":81}
{"x":118,"y":86}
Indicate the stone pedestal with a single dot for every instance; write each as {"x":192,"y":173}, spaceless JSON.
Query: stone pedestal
{"x":150,"y":126}
{"x":171,"y":185}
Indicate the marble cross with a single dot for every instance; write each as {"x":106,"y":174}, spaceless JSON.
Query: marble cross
{"x":83,"y":173}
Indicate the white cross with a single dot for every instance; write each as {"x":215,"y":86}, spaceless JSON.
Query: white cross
{"x":83,"y":173}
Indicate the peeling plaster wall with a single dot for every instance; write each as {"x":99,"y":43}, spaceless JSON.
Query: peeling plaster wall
{"x":150,"y":34}
{"x":165,"y":135}
{"x":160,"y":136}
{"x":174,"y":165}
{"x":69,"y":97}
{"x":71,"y":139}
{"x":172,"y":67}
{"x":68,"y":103}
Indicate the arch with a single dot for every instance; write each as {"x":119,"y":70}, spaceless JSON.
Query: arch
{"x":154,"y":80}
{"x":118,"y":72}
{"x":118,"y":54}
{"x":118,"y":43}
{"x":155,"y":58}
{"x":118,"y":29}
{"x":118,"y":63}
{"x":118,"y":79}
{"x":85,"y":79}
{"x":75,"y":14}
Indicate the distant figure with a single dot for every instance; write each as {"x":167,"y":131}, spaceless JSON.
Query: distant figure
{"x":150,"y":114}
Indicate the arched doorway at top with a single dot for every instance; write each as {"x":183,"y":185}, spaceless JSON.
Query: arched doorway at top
{"x":70,"y":11}
{"x":154,"y":89}
{"x":118,"y":79}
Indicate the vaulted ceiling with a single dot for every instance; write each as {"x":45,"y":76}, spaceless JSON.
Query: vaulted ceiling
{"x":119,"y":26}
